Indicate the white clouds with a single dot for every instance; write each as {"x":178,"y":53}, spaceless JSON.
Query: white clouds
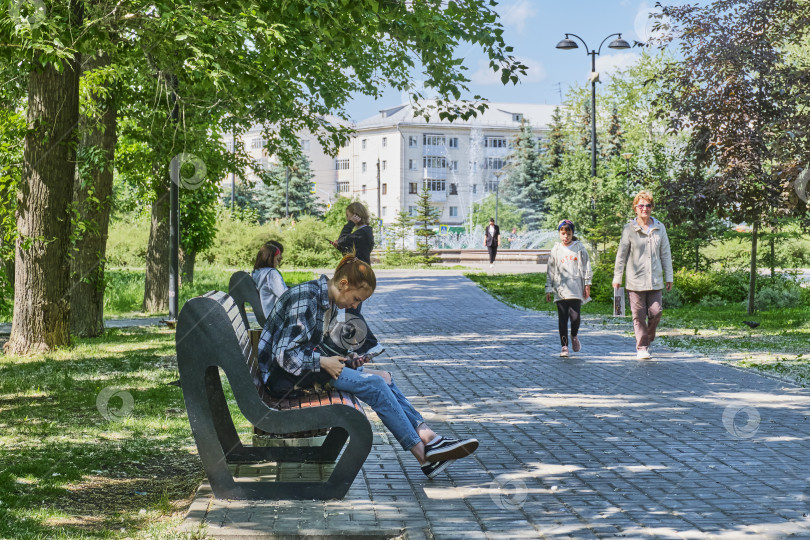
{"x":485,"y":76}
{"x":517,"y":14}
{"x":610,"y":64}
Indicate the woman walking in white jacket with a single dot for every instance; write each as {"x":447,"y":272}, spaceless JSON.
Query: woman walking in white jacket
{"x":644,"y":251}
{"x":569,"y":278}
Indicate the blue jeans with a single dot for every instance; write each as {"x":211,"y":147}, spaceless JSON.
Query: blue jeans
{"x":393,"y":408}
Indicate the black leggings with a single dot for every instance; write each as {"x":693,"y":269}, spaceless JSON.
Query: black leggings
{"x":568,"y":309}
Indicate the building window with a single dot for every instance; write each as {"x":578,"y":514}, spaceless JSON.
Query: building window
{"x":453,"y":142}
{"x":435,"y":184}
{"x":490,"y":185}
{"x":496,"y":142}
{"x":382,"y":211}
{"x":411,"y":210}
{"x":342,"y":164}
{"x":433,"y":140}
{"x":363,"y":144}
{"x":385,"y":189}
{"x":453,"y":189}
{"x":229,"y":146}
{"x":454,"y":165}
{"x":385,"y":142}
{"x":475,"y":188}
{"x":454,"y":211}
{"x":413,"y":141}
{"x":363,"y":166}
{"x":305,"y":146}
{"x":412,"y":188}
{"x":411,"y":165}
{"x":343,"y":187}
{"x":517,"y":117}
{"x":363,"y":188}
{"x":258,"y":142}
{"x":495,"y":164}
{"x":434,"y":162}
{"x":384,"y":165}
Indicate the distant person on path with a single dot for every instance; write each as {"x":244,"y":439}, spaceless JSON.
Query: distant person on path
{"x":265,"y":274}
{"x":492,"y":240}
{"x":513,"y":236}
{"x":569,"y":277}
{"x":644,"y":250}
{"x":290,"y":358}
{"x":358,"y":237}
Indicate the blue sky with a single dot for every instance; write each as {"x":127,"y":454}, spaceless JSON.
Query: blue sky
{"x":533,"y":28}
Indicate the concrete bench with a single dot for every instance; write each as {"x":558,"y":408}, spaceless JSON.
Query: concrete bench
{"x":211,"y":335}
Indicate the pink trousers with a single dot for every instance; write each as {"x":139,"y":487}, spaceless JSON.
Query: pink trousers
{"x":646,"y":308}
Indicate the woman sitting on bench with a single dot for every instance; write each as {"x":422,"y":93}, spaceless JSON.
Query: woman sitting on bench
{"x":290,"y":358}
{"x":265,"y":274}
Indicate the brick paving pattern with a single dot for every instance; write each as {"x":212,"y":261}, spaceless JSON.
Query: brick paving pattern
{"x":593,"y":446}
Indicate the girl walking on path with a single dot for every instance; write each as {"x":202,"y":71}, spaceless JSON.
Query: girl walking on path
{"x":265,"y":274}
{"x":644,"y":250}
{"x":569,"y":277}
{"x":290,"y":358}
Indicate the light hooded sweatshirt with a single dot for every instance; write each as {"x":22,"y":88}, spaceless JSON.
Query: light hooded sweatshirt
{"x":270,"y":285}
{"x":569,"y":270}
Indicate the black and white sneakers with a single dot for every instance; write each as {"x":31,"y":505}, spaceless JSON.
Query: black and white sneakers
{"x":446,"y":448}
{"x":431,"y":469}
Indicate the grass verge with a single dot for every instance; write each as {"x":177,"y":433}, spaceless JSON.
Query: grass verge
{"x":93,"y":441}
{"x":778,"y":346}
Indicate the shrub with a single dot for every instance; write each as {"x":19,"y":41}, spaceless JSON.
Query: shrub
{"x":712,"y":301}
{"x":128,"y":240}
{"x":602,"y":283}
{"x":693,"y":286}
{"x":672,"y":298}
{"x":777,"y":297}
{"x":307,"y":244}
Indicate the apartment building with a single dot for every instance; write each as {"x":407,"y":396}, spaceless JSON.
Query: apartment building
{"x":460,"y":162}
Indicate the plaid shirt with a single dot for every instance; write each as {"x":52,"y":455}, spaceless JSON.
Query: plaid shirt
{"x":294,"y":328}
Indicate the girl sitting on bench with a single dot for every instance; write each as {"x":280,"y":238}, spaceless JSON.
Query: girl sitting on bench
{"x":290,"y":358}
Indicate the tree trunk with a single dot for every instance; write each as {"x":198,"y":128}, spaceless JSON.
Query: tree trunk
{"x":156,"y":292}
{"x":752,"y":283}
{"x":41,"y":319}
{"x":187,"y":260}
{"x":92,"y":195}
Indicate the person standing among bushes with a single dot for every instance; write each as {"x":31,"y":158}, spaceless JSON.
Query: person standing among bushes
{"x":644,"y":251}
{"x":359,"y":240}
{"x":569,"y":277}
{"x":268,"y":279}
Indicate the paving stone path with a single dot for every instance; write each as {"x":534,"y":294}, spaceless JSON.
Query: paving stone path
{"x":598,"y":445}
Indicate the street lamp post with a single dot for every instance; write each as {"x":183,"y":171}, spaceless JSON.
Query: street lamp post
{"x":617,"y":43}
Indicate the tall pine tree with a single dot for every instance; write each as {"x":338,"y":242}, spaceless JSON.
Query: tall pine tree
{"x":525,"y":185}
{"x":426,"y":217}
{"x":271,"y":196}
{"x":555,"y":145}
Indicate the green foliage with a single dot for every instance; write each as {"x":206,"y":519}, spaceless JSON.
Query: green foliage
{"x":399,"y":232}
{"x":270,"y":196}
{"x":12,"y":126}
{"x":307,"y":245}
{"x":769,"y":298}
{"x":426,"y":217}
{"x":335,"y":217}
{"x":524,"y":185}
{"x":127,"y":241}
{"x":508,"y":215}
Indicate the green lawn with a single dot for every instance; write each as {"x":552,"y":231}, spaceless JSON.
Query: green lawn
{"x":93,"y":441}
{"x":780,"y":345}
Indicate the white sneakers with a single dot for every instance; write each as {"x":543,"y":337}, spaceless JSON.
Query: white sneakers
{"x":643,"y":354}
{"x":564,"y":352}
